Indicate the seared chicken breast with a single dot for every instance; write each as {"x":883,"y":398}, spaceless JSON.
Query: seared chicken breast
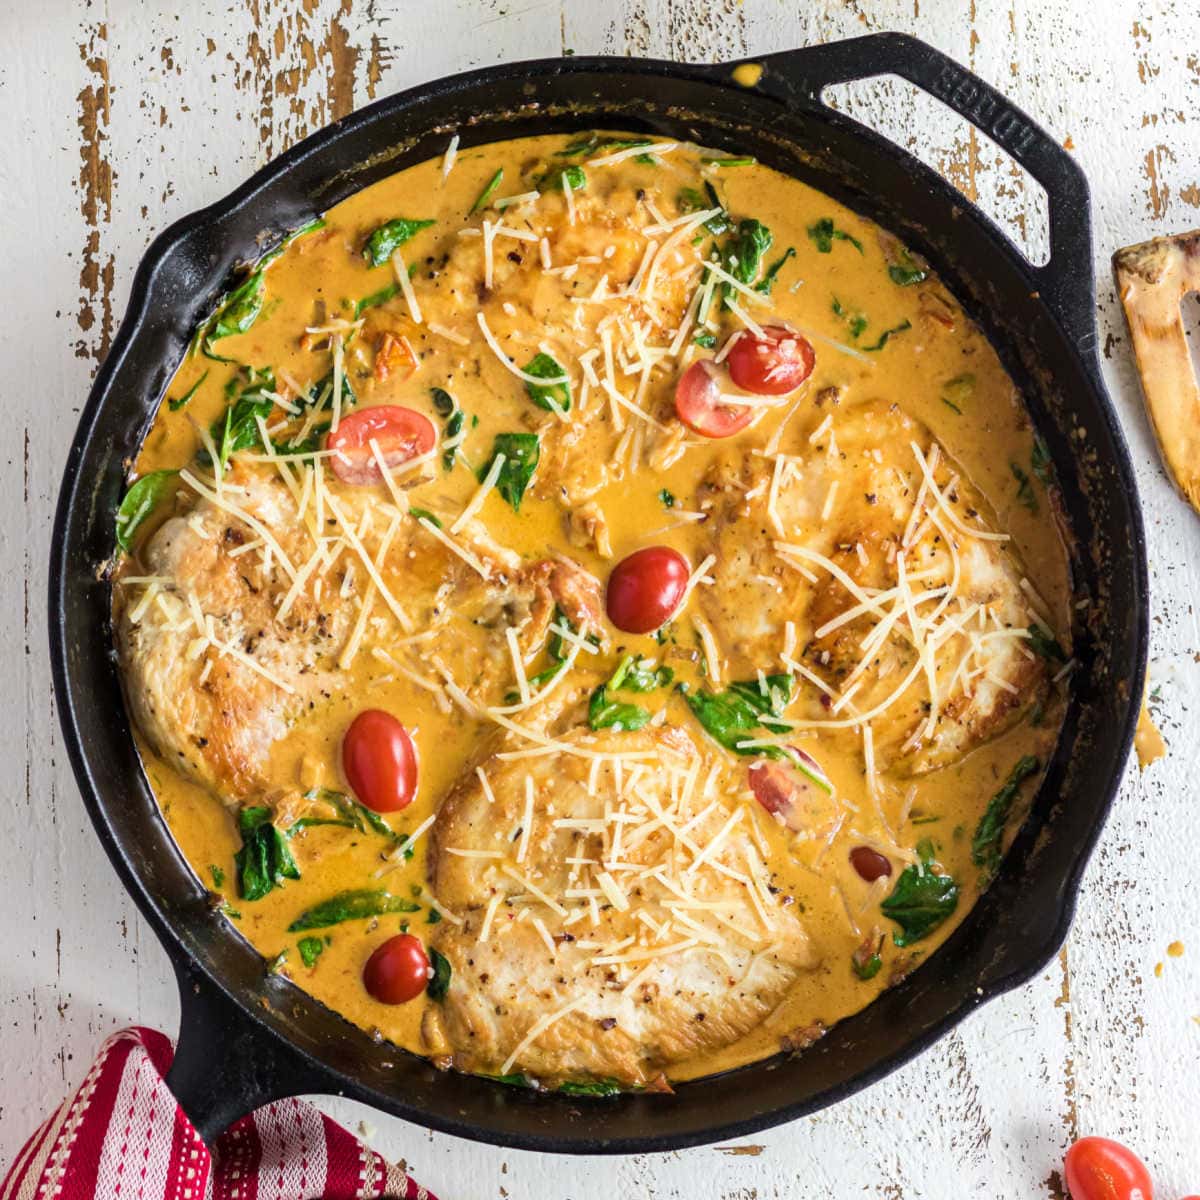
{"x":613,"y":911}
{"x":841,"y":564}
{"x":222,"y":652}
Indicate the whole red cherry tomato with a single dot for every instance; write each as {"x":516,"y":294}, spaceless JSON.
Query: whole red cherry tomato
{"x":400,"y":433}
{"x":699,"y":406}
{"x":398,"y":971}
{"x":1098,"y":1168}
{"x":645,"y":589}
{"x":773,"y":364}
{"x":380,"y":761}
{"x":870,"y":864}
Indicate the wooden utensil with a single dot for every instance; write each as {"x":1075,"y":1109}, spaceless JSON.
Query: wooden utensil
{"x":1153,"y":278}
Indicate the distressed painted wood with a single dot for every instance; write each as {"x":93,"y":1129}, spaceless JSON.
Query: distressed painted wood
{"x":122,"y":116}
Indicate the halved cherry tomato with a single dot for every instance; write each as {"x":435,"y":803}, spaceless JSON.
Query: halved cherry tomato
{"x":1098,"y":1168}
{"x":698,"y":403}
{"x":401,"y":433}
{"x":645,"y":589}
{"x":870,"y":864}
{"x":380,"y":761}
{"x":774,"y":364}
{"x":398,"y":971}
{"x":784,"y":788}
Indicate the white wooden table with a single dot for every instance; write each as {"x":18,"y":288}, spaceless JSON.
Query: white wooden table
{"x":120,"y":116}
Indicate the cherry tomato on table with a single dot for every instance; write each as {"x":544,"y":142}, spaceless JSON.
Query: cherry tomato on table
{"x":1098,"y":1168}
{"x":645,"y":589}
{"x":380,"y":761}
{"x":400,"y":433}
{"x":699,"y":406}
{"x":774,"y":364}
{"x":397,"y":971}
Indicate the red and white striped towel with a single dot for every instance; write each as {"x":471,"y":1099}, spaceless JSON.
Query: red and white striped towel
{"x":122,"y":1136}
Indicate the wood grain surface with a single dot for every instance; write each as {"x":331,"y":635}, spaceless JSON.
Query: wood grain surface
{"x":122,"y":115}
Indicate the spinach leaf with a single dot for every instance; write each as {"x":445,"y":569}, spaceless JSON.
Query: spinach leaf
{"x":1025,"y":494}
{"x":957,"y":391}
{"x":692,"y":200}
{"x":1044,"y":644}
{"x":552,"y":180}
{"x":423,"y":514}
{"x":513,"y":1080}
{"x":375,"y":298}
{"x":439,"y":981}
{"x":886,"y":335}
{"x":707,"y":340}
{"x":989,"y":833}
{"x":218,"y":876}
{"x":639,"y":675}
{"x":666,"y":498}
{"x":488,"y":192}
{"x":593,"y":143}
{"x":919,"y":903}
{"x":746,"y":160}
{"x":453,"y":428}
{"x":352,"y":905}
{"x":239,"y":309}
{"x":553,"y":397}
{"x":743,"y":253}
{"x":264,"y":861}
{"x":140,"y":501}
{"x":446,"y":407}
{"x":236,"y":311}
{"x":906,"y":273}
{"x":596,"y":1087}
{"x":824,"y":233}
{"x":389,"y":237}
{"x":856,"y":321}
{"x":1040,"y":461}
{"x":765,"y":284}
{"x":359,"y":816}
{"x":732,"y":716}
{"x":238,"y":428}
{"x":606,"y":713}
{"x":867,"y":959}
{"x":311,"y":948}
{"x":321,"y":396}
{"x":295,"y":444}
{"x":521,"y":453}
{"x":176,"y":405}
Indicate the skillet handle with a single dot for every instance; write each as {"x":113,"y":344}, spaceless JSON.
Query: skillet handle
{"x":1066,"y":282}
{"x":226,"y":1066}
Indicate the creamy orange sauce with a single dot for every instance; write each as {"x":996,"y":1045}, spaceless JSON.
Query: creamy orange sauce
{"x":937,"y":366}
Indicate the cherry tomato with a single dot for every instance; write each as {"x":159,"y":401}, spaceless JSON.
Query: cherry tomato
{"x":870,"y":864}
{"x":645,"y":589}
{"x":774,"y":364}
{"x":787,"y":791}
{"x":398,"y":971}
{"x":698,"y":403}
{"x":401,"y":434}
{"x":1100,"y":1169}
{"x":380,"y":761}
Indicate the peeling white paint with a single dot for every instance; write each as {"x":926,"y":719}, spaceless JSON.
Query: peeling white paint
{"x":197,"y":98}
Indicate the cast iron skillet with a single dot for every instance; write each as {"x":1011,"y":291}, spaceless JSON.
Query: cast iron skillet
{"x":247,"y":1037}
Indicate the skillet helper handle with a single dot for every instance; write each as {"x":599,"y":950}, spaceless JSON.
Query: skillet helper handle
{"x":1066,"y":282}
{"x":225,"y":1066}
